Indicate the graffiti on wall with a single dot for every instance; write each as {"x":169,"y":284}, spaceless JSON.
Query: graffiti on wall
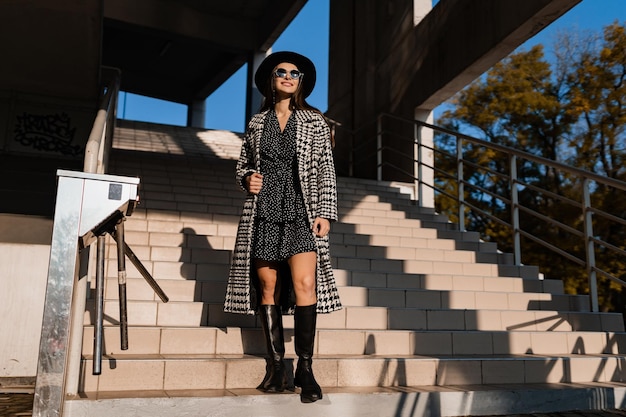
{"x":47,"y":133}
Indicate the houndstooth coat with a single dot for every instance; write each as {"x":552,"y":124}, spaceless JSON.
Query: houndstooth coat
{"x":316,"y":172}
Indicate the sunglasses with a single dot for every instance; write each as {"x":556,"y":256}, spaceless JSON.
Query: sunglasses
{"x":282,"y":73}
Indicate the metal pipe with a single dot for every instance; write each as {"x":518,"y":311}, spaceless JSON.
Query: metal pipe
{"x":589,"y":246}
{"x":417,"y":165}
{"x":143,"y":271}
{"x":517,"y":246}
{"x":121,"y":282}
{"x":379,"y":148}
{"x":460,"y":184}
{"x":99,"y":314}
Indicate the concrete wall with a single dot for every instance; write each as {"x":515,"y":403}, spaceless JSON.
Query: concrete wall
{"x":50,"y":75}
{"x":49,"y":88}
{"x":44,"y":126}
{"x":23,"y":278}
{"x":51,"y":47}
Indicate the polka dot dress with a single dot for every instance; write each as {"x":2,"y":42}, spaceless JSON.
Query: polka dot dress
{"x":281,"y":225}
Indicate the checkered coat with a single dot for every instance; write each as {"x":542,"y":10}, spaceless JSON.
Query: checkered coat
{"x":316,"y":171}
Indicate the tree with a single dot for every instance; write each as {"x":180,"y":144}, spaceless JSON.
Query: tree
{"x":571,"y":110}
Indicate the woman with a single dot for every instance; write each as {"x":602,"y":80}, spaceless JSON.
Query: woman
{"x":281,"y":263}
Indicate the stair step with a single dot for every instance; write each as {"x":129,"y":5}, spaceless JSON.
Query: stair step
{"x":156,"y":313}
{"x":184,"y":372}
{"x":154,"y":340}
{"x":447,"y":282}
{"x":466,"y":298}
{"x":453,"y":400}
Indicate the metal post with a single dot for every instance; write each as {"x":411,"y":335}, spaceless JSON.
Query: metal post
{"x":417,"y":165}
{"x":379,"y":148}
{"x":517,"y":249}
{"x":121,"y":282}
{"x":62,"y":271}
{"x":589,"y":247}
{"x":459,"y":180}
{"x":99,"y":319}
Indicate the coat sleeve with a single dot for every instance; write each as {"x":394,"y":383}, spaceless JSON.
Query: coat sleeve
{"x":326,"y":177}
{"x":246,"y":163}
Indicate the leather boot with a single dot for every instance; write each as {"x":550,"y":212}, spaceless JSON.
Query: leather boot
{"x":305,"y":319}
{"x":272,"y":322}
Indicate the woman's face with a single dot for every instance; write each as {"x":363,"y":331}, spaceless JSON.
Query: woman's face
{"x":284,"y":82}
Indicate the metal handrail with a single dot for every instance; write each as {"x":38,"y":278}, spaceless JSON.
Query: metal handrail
{"x":101,"y":136}
{"x":96,"y":158}
{"x":587,"y":179}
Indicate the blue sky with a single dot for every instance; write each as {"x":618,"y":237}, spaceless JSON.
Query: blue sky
{"x":308,"y":35}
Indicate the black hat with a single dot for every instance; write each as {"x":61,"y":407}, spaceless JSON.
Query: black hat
{"x":304,"y":64}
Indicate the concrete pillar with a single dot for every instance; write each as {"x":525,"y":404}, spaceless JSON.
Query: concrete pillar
{"x":254,"y":98}
{"x":196,"y":113}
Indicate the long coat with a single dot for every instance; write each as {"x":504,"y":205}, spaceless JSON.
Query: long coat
{"x":316,"y":172}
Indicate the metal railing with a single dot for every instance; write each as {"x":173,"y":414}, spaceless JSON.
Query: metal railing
{"x":101,"y":136}
{"x":461,"y":159}
{"x":96,"y":159}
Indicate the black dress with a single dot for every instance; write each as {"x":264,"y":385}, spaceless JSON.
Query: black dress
{"x":281,"y":226}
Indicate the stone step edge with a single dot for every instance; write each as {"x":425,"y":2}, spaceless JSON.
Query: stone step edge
{"x":373,"y":330}
{"x":408,"y":309}
{"x":113,"y":280}
{"x":340,"y":357}
{"x":451,"y":401}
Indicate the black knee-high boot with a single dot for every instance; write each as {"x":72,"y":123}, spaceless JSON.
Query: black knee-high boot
{"x":272,"y":321}
{"x":305,"y":319}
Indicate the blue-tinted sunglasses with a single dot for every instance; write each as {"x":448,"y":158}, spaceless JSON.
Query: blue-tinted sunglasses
{"x":282,"y":73}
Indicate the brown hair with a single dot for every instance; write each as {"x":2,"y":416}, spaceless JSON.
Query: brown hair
{"x":297,"y":101}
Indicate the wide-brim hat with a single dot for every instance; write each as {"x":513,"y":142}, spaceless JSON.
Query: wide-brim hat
{"x":304,"y":64}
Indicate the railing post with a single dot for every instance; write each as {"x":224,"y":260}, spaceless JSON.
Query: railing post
{"x":459,"y":181}
{"x":589,"y":246}
{"x":417,"y":164}
{"x":379,"y":147}
{"x":517,"y":248}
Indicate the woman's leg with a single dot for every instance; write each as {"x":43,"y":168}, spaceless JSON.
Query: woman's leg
{"x":303,"y":270}
{"x":268,"y":280}
{"x":271,"y":318}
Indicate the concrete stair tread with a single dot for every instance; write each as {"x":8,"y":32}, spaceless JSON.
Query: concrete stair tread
{"x":381,"y":280}
{"x":199,"y":313}
{"x":449,"y":400}
{"x":413,"y":309}
{"x":325,"y":357}
{"x":237,"y":340}
{"x":245,"y":371}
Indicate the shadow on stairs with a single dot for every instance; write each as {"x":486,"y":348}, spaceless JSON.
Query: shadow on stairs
{"x":436,"y":322}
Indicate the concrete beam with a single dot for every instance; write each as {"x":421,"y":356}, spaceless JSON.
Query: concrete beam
{"x":177,"y":19}
{"x":243,"y":32}
{"x":458,"y":41}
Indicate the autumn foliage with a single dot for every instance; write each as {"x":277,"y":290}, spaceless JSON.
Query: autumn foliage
{"x":570,"y":108}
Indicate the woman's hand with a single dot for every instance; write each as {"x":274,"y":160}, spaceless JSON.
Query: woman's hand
{"x":321,"y":226}
{"x":254,"y":183}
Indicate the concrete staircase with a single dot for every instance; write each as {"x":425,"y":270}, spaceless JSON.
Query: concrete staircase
{"x":425,"y":305}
